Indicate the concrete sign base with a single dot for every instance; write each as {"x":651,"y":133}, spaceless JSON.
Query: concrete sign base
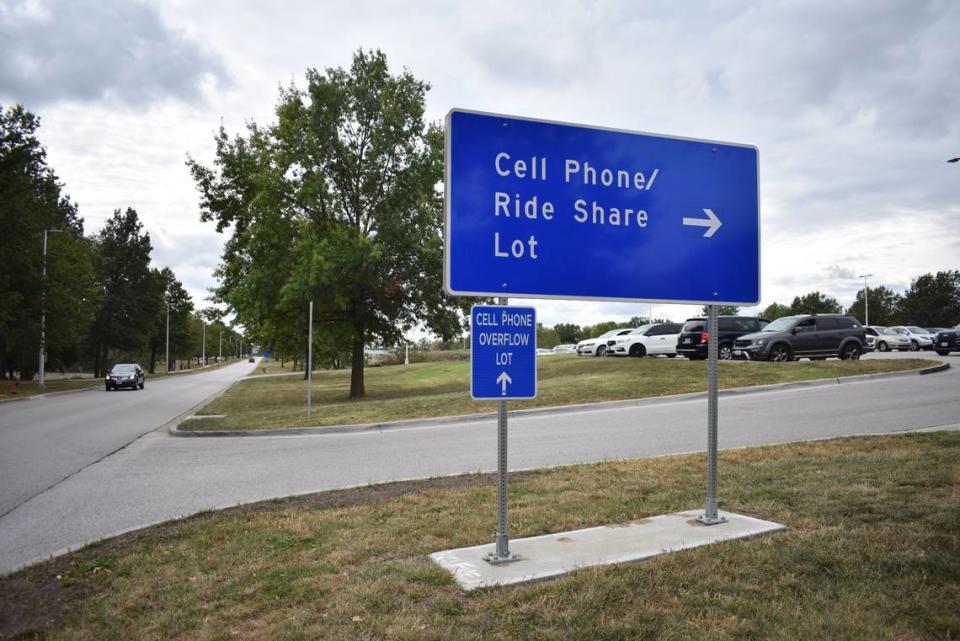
{"x":542,"y":557}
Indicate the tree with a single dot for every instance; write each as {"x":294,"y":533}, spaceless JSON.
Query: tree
{"x":815,"y":303}
{"x":775,"y":311}
{"x":335,"y":203}
{"x":166,"y":289}
{"x":127,"y":308}
{"x":568,"y":332}
{"x":933,"y":299}
{"x":547,"y":337}
{"x":723,"y":310}
{"x":31,"y":200}
{"x":884,"y":306}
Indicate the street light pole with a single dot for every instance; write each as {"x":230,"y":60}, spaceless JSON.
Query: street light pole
{"x":204,"y":344}
{"x":220,"y":352}
{"x":866,"y":300}
{"x":43,"y":309}
{"x":166,"y":366}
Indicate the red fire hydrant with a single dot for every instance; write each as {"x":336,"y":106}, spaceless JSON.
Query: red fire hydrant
{"x":13,"y":384}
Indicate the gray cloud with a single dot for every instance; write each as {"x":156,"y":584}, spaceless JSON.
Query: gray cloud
{"x":110,"y":50}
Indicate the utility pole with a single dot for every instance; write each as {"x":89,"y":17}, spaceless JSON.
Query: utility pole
{"x":43,"y":310}
{"x":866,"y":300}
{"x":220,"y":353}
{"x":204,"y":343}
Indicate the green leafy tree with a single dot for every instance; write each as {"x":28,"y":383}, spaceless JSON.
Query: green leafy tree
{"x":723,"y":310}
{"x":933,"y":299}
{"x":568,"y":332}
{"x":547,"y":337}
{"x":127,"y":308}
{"x":335,"y":203}
{"x":775,"y":311}
{"x":815,"y":303}
{"x":884,"y":306}
{"x":32,"y":200}
{"x":166,"y":289}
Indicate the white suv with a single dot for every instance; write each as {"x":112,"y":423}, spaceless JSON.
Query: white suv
{"x":647,"y":340}
{"x":597,"y":346}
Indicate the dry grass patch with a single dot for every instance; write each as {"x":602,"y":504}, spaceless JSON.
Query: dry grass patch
{"x":873,"y":552}
{"x":443,"y":388}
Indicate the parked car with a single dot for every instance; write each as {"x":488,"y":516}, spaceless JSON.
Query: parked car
{"x":947,"y":341}
{"x":125,"y":375}
{"x":597,"y":346}
{"x":647,"y":340}
{"x":693,"y":339}
{"x":919,"y":337}
{"x":543,"y":351}
{"x":887,"y":340}
{"x":814,"y":336}
{"x":565,"y":349}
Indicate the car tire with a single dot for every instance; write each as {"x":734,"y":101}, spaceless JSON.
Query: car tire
{"x":638,"y":351}
{"x":914,"y":346}
{"x":883,"y":347}
{"x":601,"y":350}
{"x":780,"y":354}
{"x":725,"y":352}
{"x":142,"y":384}
{"x":108,"y":388}
{"x":943,"y":352}
{"x":850,"y":352}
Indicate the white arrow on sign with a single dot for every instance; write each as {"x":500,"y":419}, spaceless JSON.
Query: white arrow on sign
{"x":503,"y":379}
{"x":712,"y":222}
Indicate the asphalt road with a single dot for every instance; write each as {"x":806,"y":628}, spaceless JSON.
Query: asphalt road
{"x":46,"y":440}
{"x":158,"y":477}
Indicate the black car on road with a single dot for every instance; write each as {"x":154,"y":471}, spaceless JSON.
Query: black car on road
{"x":693,"y":339}
{"x":125,"y":375}
{"x":947,"y":340}
{"x":814,"y":336}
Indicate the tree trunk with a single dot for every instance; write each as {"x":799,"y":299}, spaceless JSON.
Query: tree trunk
{"x":356,"y":366}
{"x":153,"y":359}
{"x":97,"y":363}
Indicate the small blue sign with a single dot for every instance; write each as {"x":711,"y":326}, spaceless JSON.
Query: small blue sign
{"x":503,"y":352}
{"x":542,"y":209}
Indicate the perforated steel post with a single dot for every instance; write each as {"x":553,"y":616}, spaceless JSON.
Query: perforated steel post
{"x":710,"y":516}
{"x":502,"y":554}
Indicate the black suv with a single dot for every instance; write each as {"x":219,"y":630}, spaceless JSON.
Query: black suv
{"x":947,"y":341}
{"x":693,"y":338}
{"x":816,"y":337}
{"x":125,"y":375}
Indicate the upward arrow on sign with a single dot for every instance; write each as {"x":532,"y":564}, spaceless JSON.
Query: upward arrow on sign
{"x":503,"y":379}
{"x":711,"y":221}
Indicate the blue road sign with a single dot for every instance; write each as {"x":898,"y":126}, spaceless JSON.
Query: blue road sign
{"x":503,"y":352}
{"x":550,"y":210}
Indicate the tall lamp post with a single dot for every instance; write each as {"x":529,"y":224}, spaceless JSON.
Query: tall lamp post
{"x":866,"y":299}
{"x":43,"y":309}
{"x":166,"y":363}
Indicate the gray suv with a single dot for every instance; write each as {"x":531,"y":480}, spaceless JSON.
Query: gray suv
{"x":816,"y":336}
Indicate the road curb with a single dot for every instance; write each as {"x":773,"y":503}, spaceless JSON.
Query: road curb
{"x":561,"y":409}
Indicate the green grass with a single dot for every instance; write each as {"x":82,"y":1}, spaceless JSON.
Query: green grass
{"x":443,"y":388}
{"x":872,"y":552}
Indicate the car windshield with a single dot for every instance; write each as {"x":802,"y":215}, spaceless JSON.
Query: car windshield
{"x":887,"y":331}
{"x":780,"y":325}
{"x":124,"y":369}
{"x":642,"y":329}
{"x":916,"y":330}
{"x":612,"y":332}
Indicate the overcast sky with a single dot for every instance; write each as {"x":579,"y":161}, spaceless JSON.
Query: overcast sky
{"x":853,"y":105}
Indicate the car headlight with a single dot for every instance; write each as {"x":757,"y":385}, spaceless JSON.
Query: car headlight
{"x":761,"y":341}
{"x":107,"y":377}
{"x":131,"y":377}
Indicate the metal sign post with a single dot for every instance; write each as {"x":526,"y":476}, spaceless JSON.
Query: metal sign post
{"x":502,"y":554}
{"x":310,"y":362}
{"x":710,"y":517}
